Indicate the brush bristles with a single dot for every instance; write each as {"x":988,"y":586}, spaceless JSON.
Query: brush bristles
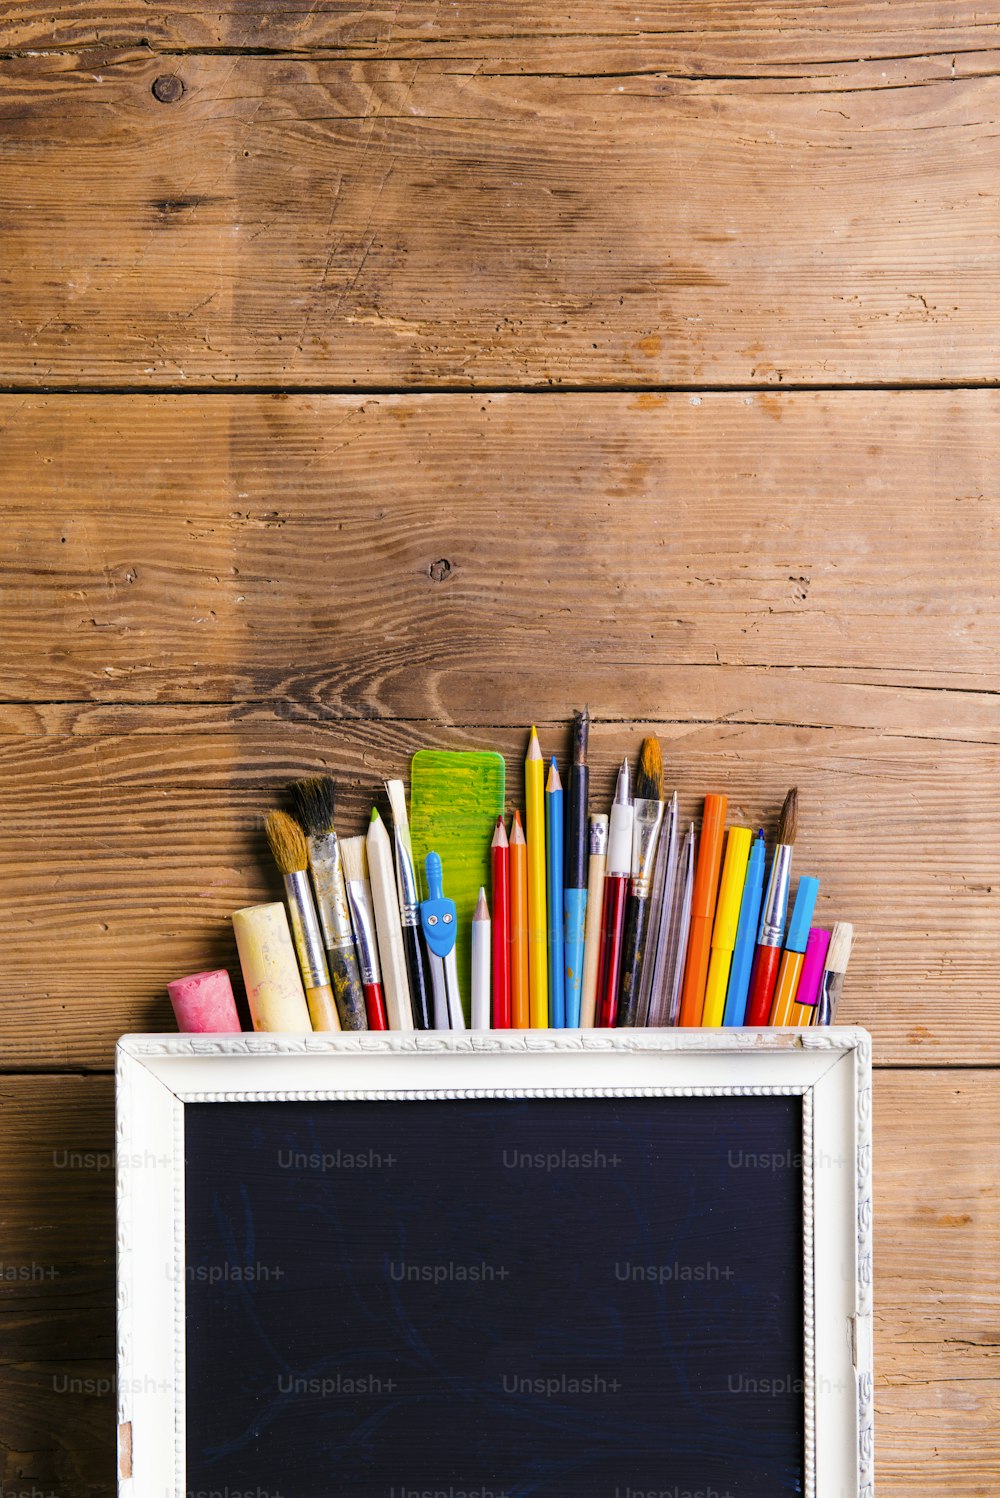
{"x":396,"y":791}
{"x":789,"y":819}
{"x":354,"y":856}
{"x":313,"y":799}
{"x":649,"y":780}
{"x":839,"y":950}
{"x":287,"y":842}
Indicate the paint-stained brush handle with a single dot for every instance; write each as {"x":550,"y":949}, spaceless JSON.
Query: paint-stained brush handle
{"x":416,"y":971}
{"x":633,"y":952}
{"x":348,"y":992}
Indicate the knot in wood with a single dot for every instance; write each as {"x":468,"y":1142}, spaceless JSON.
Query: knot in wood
{"x":440,"y":569}
{"x":168,"y":88}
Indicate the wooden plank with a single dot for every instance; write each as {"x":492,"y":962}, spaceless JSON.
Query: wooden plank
{"x":937,"y":1227}
{"x":127,"y":854}
{"x":468,"y":221}
{"x":721,"y":29}
{"x":678,"y":557}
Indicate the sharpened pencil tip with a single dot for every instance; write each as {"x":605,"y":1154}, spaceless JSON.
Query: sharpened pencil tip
{"x":482,"y":911}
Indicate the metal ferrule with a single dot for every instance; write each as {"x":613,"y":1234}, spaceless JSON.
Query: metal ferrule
{"x":406,"y":882}
{"x":331,"y":892}
{"x":829,"y":998}
{"x":364,"y":931}
{"x":772,"y":919}
{"x":305,"y":930}
{"x":598,"y":845}
{"x":647,"y":818}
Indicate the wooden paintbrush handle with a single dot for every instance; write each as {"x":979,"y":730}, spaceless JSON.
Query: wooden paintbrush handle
{"x":633,"y":950}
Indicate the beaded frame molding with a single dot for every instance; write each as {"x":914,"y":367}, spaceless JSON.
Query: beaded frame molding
{"x":830,"y":1069}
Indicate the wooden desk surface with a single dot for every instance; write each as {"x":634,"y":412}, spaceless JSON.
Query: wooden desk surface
{"x":375,"y":376}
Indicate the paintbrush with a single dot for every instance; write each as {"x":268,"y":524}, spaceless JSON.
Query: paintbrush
{"x":359,"y":898}
{"x":661,"y":904}
{"x":291,"y":853}
{"x":409,"y":908}
{"x":647,"y":818}
{"x":834,"y":969}
{"x":314,"y":799}
{"x":766,"y":959}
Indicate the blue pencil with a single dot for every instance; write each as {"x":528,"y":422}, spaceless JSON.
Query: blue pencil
{"x":554,"y":851}
{"x":746,"y":936}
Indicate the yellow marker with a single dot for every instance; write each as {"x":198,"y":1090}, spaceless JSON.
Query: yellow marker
{"x":538,"y":929}
{"x":727,"y":919}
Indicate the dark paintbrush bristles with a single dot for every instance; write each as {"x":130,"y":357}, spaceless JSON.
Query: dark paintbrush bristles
{"x":788,"y":821}
{"x":581,"y":734}
{"x":287,"y":842}
{"x":649,"y":780}
{"x":314,"y":799}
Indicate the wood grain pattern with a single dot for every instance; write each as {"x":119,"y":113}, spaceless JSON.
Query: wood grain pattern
{"x":322,"y":222}
{"x":938,"y":1210}
{"x":670,"y":557}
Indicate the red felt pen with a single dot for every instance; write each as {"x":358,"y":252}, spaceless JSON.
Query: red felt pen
{"x":619,"y":872}
{"x":354,"y":856}
{"x":500,"y":868}
{"x":767,"y":958}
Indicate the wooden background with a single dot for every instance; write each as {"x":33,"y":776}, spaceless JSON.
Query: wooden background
{"x":384,"y":375}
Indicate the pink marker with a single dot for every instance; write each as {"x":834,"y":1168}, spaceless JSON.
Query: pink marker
{"x":807,"y":993}
{"x":204,"y":1004}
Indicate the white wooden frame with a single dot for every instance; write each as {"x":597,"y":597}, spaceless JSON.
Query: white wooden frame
{"x":829,"y":1068}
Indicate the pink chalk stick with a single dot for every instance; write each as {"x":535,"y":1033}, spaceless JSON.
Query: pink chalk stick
{"x":812,"y":966}
{"x":204,"y":1004}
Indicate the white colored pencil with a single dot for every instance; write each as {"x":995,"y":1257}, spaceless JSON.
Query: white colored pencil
{"x":481,"y":952}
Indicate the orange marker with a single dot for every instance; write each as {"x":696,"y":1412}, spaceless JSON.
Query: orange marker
{"x":783,"y":1006}
{"x":519,"y":1002}
{"x":706,"y":887}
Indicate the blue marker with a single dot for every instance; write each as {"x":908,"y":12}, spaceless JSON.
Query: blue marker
{"x":746,"y":937}
{"x":554,"y":835}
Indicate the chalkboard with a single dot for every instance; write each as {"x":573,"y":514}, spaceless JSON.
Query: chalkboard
{"x":495,"y":1265}
{"x":531,"y":1296}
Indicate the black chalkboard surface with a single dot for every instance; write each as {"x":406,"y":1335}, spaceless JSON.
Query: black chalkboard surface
{"x":535,"y":1298}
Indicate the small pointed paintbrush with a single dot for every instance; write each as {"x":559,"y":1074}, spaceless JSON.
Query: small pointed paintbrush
{"x":291,"y":854}
{"x":314,"y":799}
{"x":647,"y":818}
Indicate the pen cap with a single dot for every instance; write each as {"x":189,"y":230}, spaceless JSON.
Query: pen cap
{"x":706,"y":879}
{"x":812,"y":966}
{"x":802,"y":914}
{"x":734,"y":870}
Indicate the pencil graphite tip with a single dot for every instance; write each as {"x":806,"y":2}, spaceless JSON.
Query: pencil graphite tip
{"x":287,"y":842}
{"x":554,"y":782}
{"x":482,"y":911}
{"x":500,"y":835}
{"x":534,"y":748}
{"x":649,"y":780}
{"x":788,"y":821}
{"x":516,"y":831}
{"x":374,"y":816}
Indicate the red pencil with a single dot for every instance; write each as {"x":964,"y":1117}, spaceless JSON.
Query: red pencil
{"x":500,"y":863}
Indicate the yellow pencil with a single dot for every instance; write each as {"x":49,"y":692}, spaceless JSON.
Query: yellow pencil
{"x":727,"y":918}
{"x":538,"y":931}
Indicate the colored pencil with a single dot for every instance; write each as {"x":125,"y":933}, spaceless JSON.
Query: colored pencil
{"x":314,"y":799}
{"x":500,"y":871}
{"x":417,"y":974}
{"x":616,"y":881}
{"x":575,"y":896}
{"x":793,"y":956}
{"x":767,"y":957}
{"x":831,"y":986}
{"x":596,"y":863}
{"x":520,"y":1010}
{"x":804,"y":1008}
{"x":746,"y":935}
{"x":727,"y":918}
{"x":538,"y":975}
{"x":388,"y":926}
{"x":359,"y":898}
{"x":481,"y":945}
{"x":661,"y":902}
{"x":647,"y":819}
{"x":288,"y":845}
{"x":554,"y":854}
{"x":706,"y":885}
